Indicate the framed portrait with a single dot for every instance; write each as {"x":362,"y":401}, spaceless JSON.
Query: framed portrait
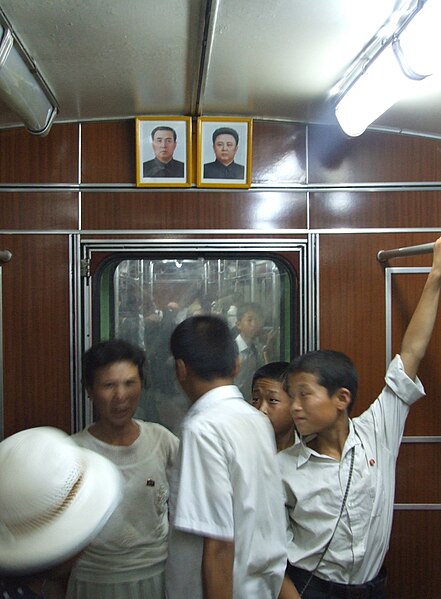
{"x":163,"y":151}
{"x":224,"y":152}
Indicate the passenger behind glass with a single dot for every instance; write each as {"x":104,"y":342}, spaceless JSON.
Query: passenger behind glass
{"x":249,"y":325}
{"x":232,"y":311}
{"x":140,"y":325}
{"x":166,"y":400}
{"x":270,"y":397}
{"x":192,"y":302}
{"x":131,"y":326}
{"x":127,"y":559}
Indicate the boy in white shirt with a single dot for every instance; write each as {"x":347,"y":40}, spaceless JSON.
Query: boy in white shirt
{"x":340,"y":479}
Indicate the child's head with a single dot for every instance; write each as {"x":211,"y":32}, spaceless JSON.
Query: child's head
{"x":317,"y":379}
{"x":249,"y":321}
{"x":270,"y":397}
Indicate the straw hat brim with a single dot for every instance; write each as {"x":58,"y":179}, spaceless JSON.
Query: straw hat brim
{"x":67,"y":534}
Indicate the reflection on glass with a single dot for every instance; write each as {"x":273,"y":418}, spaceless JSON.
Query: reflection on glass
{"x":143,"y":299}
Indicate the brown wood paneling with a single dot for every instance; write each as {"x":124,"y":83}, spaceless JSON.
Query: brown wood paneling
{"x":352,"y":314}
{"x":36,"y":332}
{"x":425,"y":417}
{"x":27,"y":158}
{"x":375,"y":156}
{"x":194,"y":210}
{"x":40,"y":210}
{"x":416,"y":483}
{"x":279,"y":153}
{"x":398,"y":209}
{"x":352,"y":307}
{"x":413,"y":559}
{"x":108,"y":152}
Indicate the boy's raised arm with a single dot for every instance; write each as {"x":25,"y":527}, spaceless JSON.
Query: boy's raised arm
{"x":419,"y":331}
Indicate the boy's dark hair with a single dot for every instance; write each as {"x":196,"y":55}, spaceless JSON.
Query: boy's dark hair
{"x":205,"y":344}
{"x":273,"y":370}
{"x":249,"y":307}
{"x":333,"y":370}
{"x":104,"y":353}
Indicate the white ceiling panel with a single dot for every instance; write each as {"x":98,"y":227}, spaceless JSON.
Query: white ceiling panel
{"x":276,"y":60}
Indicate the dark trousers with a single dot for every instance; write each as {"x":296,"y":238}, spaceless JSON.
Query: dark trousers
{"x":318,"y":588}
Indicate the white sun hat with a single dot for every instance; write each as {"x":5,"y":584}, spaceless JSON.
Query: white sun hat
{"x":54,"y":498}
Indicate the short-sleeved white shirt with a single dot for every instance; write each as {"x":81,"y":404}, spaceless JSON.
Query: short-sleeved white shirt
{"x":227,"y":485}
{"x":315,"y":485}
{"x":133,"y":544}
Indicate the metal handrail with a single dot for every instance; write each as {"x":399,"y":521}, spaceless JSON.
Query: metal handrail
{"x":411,"y":250}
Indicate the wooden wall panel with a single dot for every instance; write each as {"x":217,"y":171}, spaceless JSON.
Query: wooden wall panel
{"x":194,"y":210}
{"x":373,"y":157}
{"x":352,"y":308}
{"x":416,"y":465}
{"x":47,"y":211}
{"x":36,"y":336}
{"x":425,"y":416}
{"x":279,"y":153}
{"x":108,"y":153}
{"x":413,"y":560}
{"x":27,"y":158}
{"x":362,"y":209}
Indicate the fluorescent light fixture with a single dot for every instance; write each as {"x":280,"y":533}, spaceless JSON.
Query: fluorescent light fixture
{"x":22,"y":88}
{"x":394,"y":71}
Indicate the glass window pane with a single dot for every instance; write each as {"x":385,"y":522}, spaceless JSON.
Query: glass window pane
{"x":142,"y":299}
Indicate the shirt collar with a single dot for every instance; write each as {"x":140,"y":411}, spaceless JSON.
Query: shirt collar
{"x":241,"y":343}
{"x":306,"y":452}
{"x":213,"y":398}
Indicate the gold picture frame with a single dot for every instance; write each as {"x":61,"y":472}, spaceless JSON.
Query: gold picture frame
{"x":224,"y":152}
{"x":166,"y":160}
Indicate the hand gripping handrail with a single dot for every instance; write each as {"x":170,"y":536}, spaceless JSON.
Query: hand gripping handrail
{"x":411,"y":250}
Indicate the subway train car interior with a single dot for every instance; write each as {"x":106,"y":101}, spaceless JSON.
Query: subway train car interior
{"x":328,"y":222}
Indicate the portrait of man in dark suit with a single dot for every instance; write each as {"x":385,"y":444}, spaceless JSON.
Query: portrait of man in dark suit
{"x":163,"y":165}
{"x":225,"y":145}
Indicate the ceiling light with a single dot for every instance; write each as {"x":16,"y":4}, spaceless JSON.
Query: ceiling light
{"x":392,"y":72}
{"x":22,"y":87}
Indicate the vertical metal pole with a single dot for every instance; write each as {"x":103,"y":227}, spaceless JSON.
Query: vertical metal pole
{"x":253,"y":280}
{"x":5,"y":256}
{"x":2,"y":430}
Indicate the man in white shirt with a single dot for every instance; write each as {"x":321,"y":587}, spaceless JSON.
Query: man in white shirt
{"x":228,"y":528}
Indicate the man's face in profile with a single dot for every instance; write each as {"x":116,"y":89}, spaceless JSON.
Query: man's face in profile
{"x":225,"y":148}
{"x":163,"y":145}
